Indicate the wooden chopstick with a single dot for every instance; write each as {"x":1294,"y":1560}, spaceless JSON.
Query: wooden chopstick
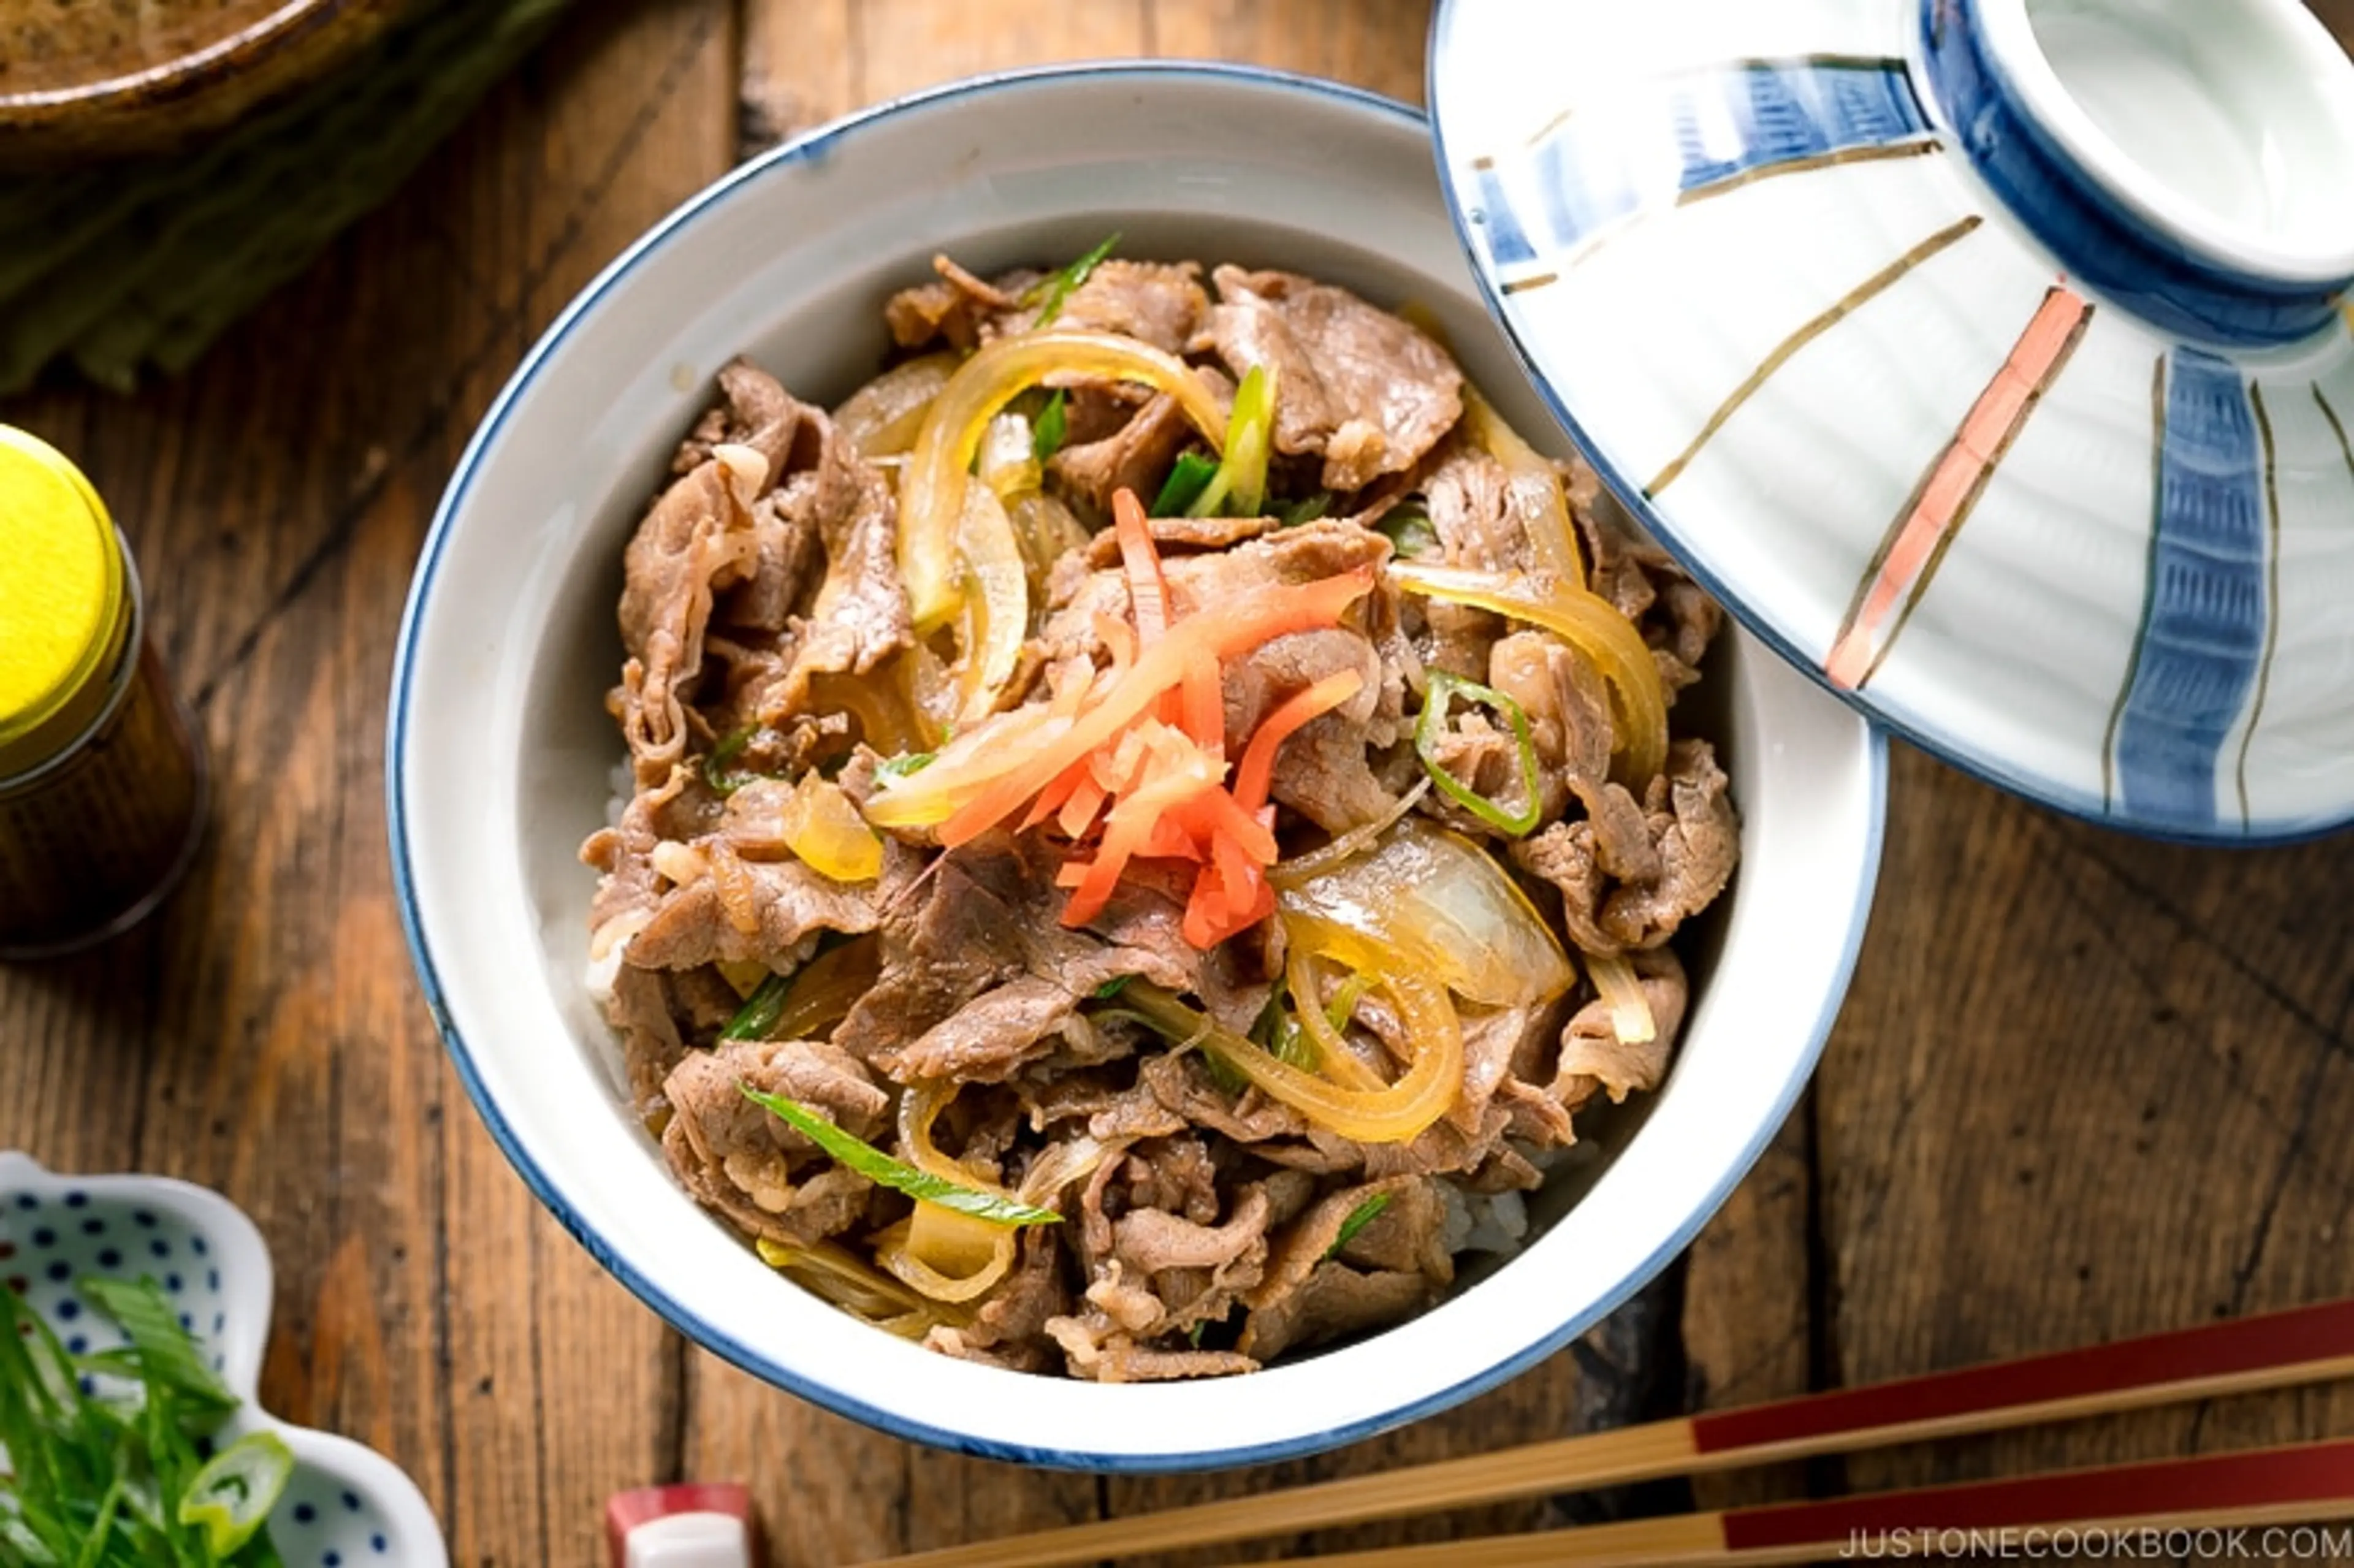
{"x":2306,"y":1344}
{"x":2296,"y":1484}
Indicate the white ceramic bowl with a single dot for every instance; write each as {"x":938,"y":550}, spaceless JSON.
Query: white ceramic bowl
{"x":499,"y":752}
{"x":345,"y":1506}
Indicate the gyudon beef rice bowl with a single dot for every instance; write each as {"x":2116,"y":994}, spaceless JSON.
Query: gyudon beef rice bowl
{"x":1148,"y":825}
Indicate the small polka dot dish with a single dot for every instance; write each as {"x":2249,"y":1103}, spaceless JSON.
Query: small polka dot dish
{"x":345,"y":1507}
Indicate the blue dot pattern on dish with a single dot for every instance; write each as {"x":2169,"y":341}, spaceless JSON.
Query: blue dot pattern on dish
{"x":48,"y":1255}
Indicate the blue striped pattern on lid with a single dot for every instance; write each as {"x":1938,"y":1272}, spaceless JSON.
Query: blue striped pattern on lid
{"x":1690,"y":135}
{"x":2203,"y":631}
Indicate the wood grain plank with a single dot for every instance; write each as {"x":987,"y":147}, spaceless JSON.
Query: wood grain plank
{"x":902,"y":46}
{"x":1748,"y":1300}
{"x":801,"y":68}
{"x":1373,"y":44}
{"x":2083,"y":1091}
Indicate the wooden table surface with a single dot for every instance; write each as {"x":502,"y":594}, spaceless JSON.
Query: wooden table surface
{"x":2083,"y":1087}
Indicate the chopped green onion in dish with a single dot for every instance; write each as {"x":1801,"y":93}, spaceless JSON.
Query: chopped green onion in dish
{"x":903,"y":765}
{"x":1187,"y":479}
{"x":1110,"y":988}
{"x":231,"y":1496}
{"x":715,"y":765}
{"x":1407,"y":527}
{"x":1432,"y":728}
{"x":1048,"y":294}
{"x":1306,"y":510}
{"x":759,"y":1015}
{"x":104,"y":1479}
{"x":160,"y":1353}
{"x":1239,"y":485}
{"x":1054,"y":422}
{"x":884,"y":1172}
{"x":1364,"y":1214}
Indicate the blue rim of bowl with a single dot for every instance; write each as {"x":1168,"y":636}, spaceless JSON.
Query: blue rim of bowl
{"x":2041,"y":792}
{"x":680,"y":1317}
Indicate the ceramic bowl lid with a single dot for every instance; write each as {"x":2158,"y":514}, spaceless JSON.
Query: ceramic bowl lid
{"x":1986,"y":355}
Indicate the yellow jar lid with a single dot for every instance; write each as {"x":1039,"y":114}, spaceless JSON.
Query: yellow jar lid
{"x":63,"y":615}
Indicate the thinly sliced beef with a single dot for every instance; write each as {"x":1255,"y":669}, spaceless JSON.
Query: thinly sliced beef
{"x":999,"y":1032}
{"x":697,"y":541}
{"x":704,"y":536}
{"x":1160,"y":303}
{"x":1593,"y":1056}
{"x":1151,"y":1240}
{"x":1322,"y":771}
{"x":858,"y":617}
{"x":1317,"y":1287}
{"x":1007,"y":1327}
{"x":1096,"y":1348}
{"x":737,"y":1159}
{"x":1355,"y":385}
{"x":1676,"y":618}
{"x":1472,"y":509}
{"x":1132,"y":458}
{"x":955,"y":308}
{"x":746,"y":911}
{"x":1568,"y":709}
{"x":637,"y":1005}
{"x":987,"y":919}
{"x":1623,"y":890}
{"x":1334,"y":1301}
{"x":1178,"y":533}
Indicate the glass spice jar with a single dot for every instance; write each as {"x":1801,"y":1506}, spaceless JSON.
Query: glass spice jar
{"x":102,"y":781}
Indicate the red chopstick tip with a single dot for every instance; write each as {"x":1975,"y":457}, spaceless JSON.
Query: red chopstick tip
{"x":699,"y":1524}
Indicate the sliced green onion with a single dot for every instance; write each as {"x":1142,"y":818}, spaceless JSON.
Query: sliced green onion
{"x":1190,"y":476}
{"x":160,"y":1352}
{"x":231,"y":1496}
{"x":759,"y":1015}
{"x":1047,"y":435}
{"x":1223,"y":1075}
{"x":1110,"y":988}
{"x":1240,"y":487}
{"x":1407,"y":528}
{"x":1344,"y":1002}
{"x":1364,"y":1214}
{"x":715,"y":765}
{"x":1306,"y":510}
{"x":1279,"y":1031}
{"x":1048,"y":294}
{"x":903,"y":765}
{"x":1432,"y":727}
{"x":884,"y":1172}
